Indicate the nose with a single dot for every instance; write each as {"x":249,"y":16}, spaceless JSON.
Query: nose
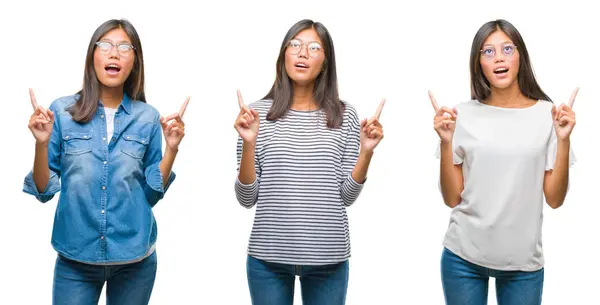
{"x":114,"y":52}
{"x":303,"y":51}
{"x":498,"y":57}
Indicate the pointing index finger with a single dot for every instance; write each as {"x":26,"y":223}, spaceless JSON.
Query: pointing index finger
{"x":240,"y":99}
{"x":573,"y":95}
{"x":379,"y":109}
{"x":33,"y":100}
{"x":434,"y":103}
{"x":184,"y":106}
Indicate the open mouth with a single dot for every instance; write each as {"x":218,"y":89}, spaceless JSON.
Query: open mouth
{"x":112,"y":68}
{"x":501,"y":71}
{"x":301,"y":65}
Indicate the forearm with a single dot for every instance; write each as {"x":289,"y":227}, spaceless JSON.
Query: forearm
{"x":247,"y":174}
{"x":359,"y":173}
{"x":41,"y":171}
{"x":166,"y":164}
{"x":557,"y":182}
{"x":451,"y":183}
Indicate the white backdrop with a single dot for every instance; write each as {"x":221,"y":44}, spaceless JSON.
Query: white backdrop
{"x":383,"y":49}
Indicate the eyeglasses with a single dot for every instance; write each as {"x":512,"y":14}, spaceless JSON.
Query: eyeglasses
{"x":295,"y":46}
{"x":106,"y":47}
{"x":489,"y":51}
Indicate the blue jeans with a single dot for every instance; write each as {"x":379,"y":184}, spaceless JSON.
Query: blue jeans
{"x":81,"y":284}
{"x":273,"y":283}
{"x":467,"y":284}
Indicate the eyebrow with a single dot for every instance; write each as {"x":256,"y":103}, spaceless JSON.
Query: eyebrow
{"x":119,"y":42}
{"x":504,"y":42}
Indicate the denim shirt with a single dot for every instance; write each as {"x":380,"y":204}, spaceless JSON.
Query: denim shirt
{"x":108,"y":186}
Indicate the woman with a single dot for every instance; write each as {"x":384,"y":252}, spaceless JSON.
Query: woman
{"x":501,"y":153}
{"x":302,"y":169}
{"x":102,"y":149}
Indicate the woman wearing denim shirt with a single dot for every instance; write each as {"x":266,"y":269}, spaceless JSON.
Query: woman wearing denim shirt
{"x":102,"y":149}
{"x":307,"y":163}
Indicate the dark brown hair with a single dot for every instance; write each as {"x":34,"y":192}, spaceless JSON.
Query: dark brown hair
{"x":84,"y":109}
{"x":480,"y":86}
{"x":325,"y":91}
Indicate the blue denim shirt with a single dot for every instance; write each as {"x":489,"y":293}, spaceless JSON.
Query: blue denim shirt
{"x":108,"y":186}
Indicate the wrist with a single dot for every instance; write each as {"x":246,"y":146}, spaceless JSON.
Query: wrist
{"x":41,"y":144}
{"x":367,"y":152}
{"x":249,"y":144}
{"x":173,"y":150}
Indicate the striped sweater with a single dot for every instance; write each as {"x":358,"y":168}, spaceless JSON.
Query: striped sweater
{"x":303,"y":186}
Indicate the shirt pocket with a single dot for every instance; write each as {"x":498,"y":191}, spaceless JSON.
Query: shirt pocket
{"x":135,"y":145}
{"x":77,"y":143}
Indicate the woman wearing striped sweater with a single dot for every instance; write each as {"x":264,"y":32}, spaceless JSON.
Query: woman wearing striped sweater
{"x":305,"y":164}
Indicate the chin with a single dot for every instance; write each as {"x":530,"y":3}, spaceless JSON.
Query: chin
{"x":112,"y":83}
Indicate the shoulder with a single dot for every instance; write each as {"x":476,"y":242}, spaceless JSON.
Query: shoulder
{"x":262,"y":106}
{"x":144,"y":111}
{"x":60,"y":105}
{"x":467,"y":105}
{"x":545,"y":105}
{"x":350,"y":111}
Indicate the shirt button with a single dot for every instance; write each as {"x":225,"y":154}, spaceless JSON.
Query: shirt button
{"x":85,"y":137}
{"x":105,"y":162}
{"x":103,"y":187}
{"x":67,"y":137}
{"x":102,"y":237}
{"x":102,"y":211}
{"x":103,"y":138}
{"x":128,"y":138}
{"x":102,"y":116}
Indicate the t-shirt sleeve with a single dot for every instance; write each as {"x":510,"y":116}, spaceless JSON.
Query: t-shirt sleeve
{"x":552,"y":150}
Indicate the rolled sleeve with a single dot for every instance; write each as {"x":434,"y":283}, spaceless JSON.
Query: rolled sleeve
{"x":154,"y":189}
{"x":51,"y":189}
{"x":54,"y":151}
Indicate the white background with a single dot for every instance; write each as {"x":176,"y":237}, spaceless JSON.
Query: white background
{"x":383,"y":50}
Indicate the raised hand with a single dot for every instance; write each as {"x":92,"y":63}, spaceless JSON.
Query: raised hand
{"x":563,"y":117}
{"x":444,"y":120}
{"x":247,"y":122}
{"x":40,"y":122}
{"x":174,"y":127}
{"x":371,"y":130}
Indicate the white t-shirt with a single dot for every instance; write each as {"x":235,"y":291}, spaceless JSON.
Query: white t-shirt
{"x":110,"y":122}
{"x":504,"y":154}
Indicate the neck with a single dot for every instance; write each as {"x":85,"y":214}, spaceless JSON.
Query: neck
{"x":508,"y":97}
{"x":111,"y":97}
{"x":303,"y":97}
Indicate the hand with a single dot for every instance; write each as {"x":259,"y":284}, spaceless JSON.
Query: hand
{"x":444,"y":121}
{"x":371,"y":131}
{"x":40,"y":122}
{"x":174,"y":128}
{"x":564,"y":118}
{"x":247,"y":122}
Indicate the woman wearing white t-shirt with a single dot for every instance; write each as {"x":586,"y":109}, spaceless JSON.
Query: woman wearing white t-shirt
{"x":500,"y":153}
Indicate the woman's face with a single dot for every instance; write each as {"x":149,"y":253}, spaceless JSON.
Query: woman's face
{"x":304,"y":57}
{"x":114,"y":57}
{"x":499,"y":60}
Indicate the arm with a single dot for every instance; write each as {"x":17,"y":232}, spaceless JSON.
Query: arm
{"x":44,"y":180}
{"x":157,"y":169}
{"x":355,"y":162}
{"x":248,"y":180}
{"x":556,"y":181}
{"x":451,"y":176}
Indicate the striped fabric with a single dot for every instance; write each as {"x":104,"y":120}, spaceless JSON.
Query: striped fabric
{"x":303,"y":187}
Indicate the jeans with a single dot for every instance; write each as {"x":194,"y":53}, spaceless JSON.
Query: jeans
{"x":467,"y":284}
{"x":273,"y":283}
{"x":81,"y":284}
